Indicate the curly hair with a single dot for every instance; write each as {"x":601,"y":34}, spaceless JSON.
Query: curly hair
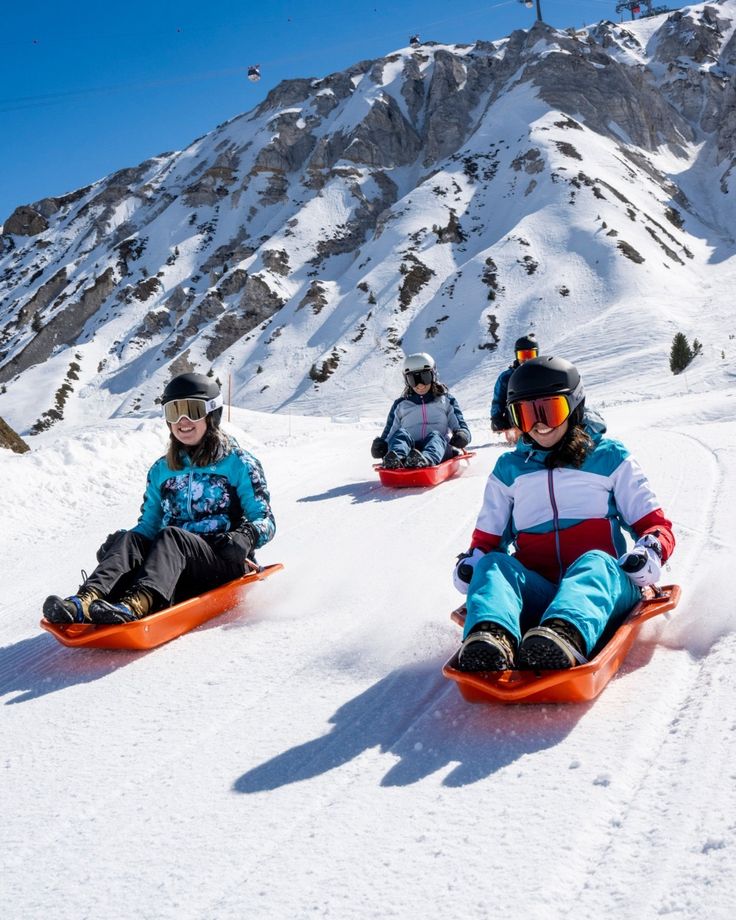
{"x":209,"y":450}
{"x":437,"y":389}
{"x":571,"y":450}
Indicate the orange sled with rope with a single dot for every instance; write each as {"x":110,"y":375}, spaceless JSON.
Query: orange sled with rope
{"x":573,"y":685}
{"x":424,"y":476}
{"x":163,"y":626}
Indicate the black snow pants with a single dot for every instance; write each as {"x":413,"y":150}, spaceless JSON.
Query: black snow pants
{"x":175,"y":565}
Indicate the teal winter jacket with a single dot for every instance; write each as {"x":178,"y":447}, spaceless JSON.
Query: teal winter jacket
{"x":229,"y":494}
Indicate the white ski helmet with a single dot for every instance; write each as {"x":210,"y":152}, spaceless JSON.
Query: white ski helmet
{"x":419,"y":368}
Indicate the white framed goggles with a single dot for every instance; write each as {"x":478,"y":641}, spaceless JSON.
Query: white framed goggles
{"x":193,"y":409}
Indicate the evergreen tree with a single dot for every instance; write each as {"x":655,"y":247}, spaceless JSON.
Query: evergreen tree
{"x":681,"y":353}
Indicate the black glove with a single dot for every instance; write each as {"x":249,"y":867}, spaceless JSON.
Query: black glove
{"x":499,"y":424}
{"x":233,"y":547}
{"x":108,"y":544}
{"x":460,"y":439}
{"x":379,"y":449}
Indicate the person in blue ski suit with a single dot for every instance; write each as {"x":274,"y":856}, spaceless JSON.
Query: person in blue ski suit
{"x":525,"y":348}
{"x":562,"y":500}
{"x":206,"y":509}
{"x":425,"y":425}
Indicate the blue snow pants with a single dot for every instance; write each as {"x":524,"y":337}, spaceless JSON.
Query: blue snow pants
{"x":434,"y":447}
{"x":593,"y":592}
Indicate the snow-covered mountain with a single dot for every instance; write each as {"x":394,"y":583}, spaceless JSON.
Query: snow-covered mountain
{"x":444,"y":198}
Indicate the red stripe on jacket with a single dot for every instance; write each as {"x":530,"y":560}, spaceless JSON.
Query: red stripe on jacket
{"x":551,"y":554}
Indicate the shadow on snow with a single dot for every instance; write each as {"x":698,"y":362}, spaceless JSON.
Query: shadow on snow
{"x":415,"y":715}
{"x":361,"y":492}
{"x":35,"y":667}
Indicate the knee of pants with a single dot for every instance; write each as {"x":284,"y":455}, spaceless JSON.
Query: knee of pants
{"x":132,"y":536}
{"x":595,"y":558}
{"x":167,"y":534}
{"x":401,"y":441}
{"x":506,"y":565}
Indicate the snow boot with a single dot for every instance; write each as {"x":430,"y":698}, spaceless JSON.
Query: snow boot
{"x":133,"y":605}
{"x":552,"y":647}
{"x":416,"y":460}
{"x":488,"y":647}
{"x":392,"y":461}
{"x":74,"y":609}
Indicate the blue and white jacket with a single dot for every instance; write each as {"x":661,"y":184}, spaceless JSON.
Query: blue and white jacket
{"x":552,"y":516}
{"x":226,"y":495}
{"x":421,"y":415}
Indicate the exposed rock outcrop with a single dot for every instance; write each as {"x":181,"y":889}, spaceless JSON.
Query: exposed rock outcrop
{"x":9,"y":440}
{"x":63,"y":328}
{"x":25,"y":221}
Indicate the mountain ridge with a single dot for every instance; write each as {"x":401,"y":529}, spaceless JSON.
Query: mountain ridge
{"x":442,"y":198}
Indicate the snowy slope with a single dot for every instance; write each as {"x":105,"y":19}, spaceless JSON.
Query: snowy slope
{"x":303,"y":755}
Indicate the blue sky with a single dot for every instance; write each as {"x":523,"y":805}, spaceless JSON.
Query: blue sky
{"x":87,"y":87}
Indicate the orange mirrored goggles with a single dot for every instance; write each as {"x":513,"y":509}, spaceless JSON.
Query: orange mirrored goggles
{"x":193,"y":409}
{"x":526,"y":354}
{"x":549,"y":410}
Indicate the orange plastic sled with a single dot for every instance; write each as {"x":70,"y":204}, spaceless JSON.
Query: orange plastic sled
{"x":163,"y":626}
{"x":574,"y":685}
{"x":425,"y":476}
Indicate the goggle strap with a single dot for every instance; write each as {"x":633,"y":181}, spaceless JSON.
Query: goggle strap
{"x":215,"y":403}
{"x":576,"y":397}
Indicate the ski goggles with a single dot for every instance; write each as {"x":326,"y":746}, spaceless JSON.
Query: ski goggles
{"x":551,"y":411}
{"x":526,"y":354}
{"x":419,"y":378}
{"x":193,"y":409}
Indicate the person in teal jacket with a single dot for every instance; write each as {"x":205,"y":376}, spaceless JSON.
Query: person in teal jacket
{"x":205,"y":511}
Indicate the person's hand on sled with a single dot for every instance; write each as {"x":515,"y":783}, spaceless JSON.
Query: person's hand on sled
{"x":235,"y":546}
{"x":460,"y":439}
{"x":379,"y":449}
{"x":464,"y":568}
{"x":643,"y":563}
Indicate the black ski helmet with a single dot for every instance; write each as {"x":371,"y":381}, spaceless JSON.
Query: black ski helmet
{"x":527,"y":343}
{"x":193,"y":386}
{"x":547,"y":376}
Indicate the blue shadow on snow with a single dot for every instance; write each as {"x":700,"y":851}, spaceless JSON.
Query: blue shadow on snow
{"x":35,"y":667}
{"x":361,"y":492}
{"x":415,"y":714}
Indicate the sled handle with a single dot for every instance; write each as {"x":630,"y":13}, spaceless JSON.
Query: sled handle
{"x":657,"y":600}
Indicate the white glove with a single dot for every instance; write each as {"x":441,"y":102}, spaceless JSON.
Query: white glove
{"x":643,"y":564}
{"x":464,"y":568}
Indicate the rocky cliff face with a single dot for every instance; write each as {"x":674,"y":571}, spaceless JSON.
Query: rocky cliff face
{"x":384,"y":198}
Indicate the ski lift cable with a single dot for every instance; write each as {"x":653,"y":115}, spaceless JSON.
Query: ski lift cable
{"x":11,"y":104}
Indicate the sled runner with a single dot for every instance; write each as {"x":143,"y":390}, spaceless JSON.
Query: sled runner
{"x":163,"y":626}
{"x":423,"y":476}
{"x":573,"y":685}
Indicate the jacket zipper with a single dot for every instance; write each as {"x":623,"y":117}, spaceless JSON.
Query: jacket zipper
{"x":424,"y":419}
{"x":555,"y":521}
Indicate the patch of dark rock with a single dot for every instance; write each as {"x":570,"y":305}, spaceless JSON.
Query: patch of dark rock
{"x":628,"y":250}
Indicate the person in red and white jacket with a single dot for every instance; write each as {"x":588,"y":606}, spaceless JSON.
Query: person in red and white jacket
{"x":548,"y":570}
